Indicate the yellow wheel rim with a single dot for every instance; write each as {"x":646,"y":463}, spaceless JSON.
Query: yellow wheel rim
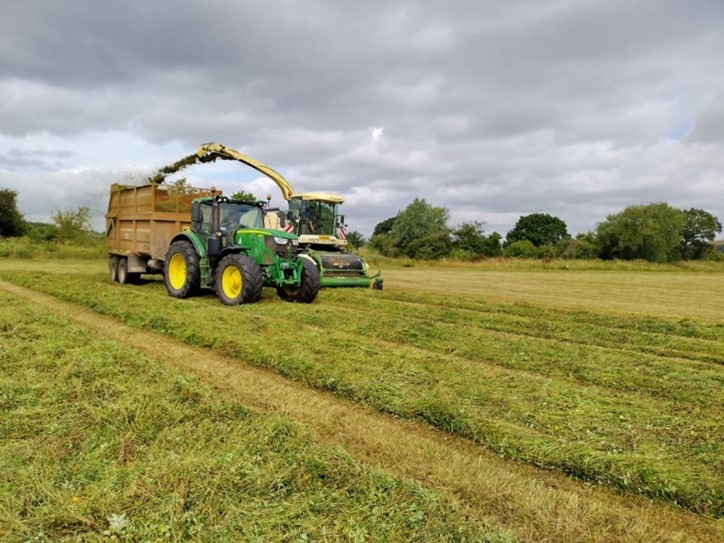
{"x":177,"y":271}
{"x":231,"y":282}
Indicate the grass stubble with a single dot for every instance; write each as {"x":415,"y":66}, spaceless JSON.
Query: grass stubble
{"x":100,"y":443}
{"x":413,"y":369}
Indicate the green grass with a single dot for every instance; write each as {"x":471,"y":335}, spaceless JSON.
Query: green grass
{"x":630,"y":402}
{"x":99,"y":444}
{"x":27,"y":248}
{"x":539,"y":264}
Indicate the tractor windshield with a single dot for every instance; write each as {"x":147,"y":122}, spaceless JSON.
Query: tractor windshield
{"x":235,"y":215}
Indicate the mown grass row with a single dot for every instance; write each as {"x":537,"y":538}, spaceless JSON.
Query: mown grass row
{"x":662,"y":445}
{"x":531,"y":344}
{"x":99,"y":444}
{"x":683,"y":339}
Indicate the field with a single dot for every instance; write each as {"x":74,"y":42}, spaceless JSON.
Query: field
{"x":489,"y":402}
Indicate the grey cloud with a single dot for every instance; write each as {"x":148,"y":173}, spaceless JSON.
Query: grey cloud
{"x":492,"y":109}
{"x":37,"y":159}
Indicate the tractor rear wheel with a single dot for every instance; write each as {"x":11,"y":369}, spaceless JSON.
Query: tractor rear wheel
{"x":238,"y":280}
{"x":307,"y":289}
{"x":182,"y":274}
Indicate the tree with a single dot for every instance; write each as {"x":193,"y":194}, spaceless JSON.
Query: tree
{"x":243,"y":195}
{"x":470,"y":237}
{"x":382,"y":239}
{"x":493,"y":245}
{"x":355,"y":239}
{"x":12,"y":223}
{"x":649,"y":232}
{"x":385,"y":227}
{"x":698,"y":233}
{"x":73,"y":226}
{"x":421,"y":221}
{"x":538,"y":228}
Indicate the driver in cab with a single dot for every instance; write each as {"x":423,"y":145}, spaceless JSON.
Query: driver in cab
{"x":230,"y":220}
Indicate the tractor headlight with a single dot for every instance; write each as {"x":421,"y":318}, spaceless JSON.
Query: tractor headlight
{"x":295,"y":242}
{"x":281,"y":241}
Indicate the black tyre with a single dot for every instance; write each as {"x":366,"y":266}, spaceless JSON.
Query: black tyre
{"x":238,"y":280}
{"x":125,"y":277}
{"x":122,"y":270}
{"x":182,"y":274}
{"x":113,"y":267}
{"x":307,"y":290}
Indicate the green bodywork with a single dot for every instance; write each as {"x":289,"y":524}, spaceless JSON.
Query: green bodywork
{"x":342,"y":269}
{"x":274,"y":250}
{"x":316,"y":220}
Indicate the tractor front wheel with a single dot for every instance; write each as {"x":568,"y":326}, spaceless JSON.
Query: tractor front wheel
{"x":307,"y":289}
{"x":238,"y":280}
{"x":182,"y":274}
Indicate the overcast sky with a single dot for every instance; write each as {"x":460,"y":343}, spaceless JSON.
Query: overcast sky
{"x":491,"y":109}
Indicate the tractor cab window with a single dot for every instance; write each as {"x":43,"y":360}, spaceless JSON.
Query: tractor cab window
{"x":202,"y":223}
{"x":317,"y":217}
{"x":233,"y":215}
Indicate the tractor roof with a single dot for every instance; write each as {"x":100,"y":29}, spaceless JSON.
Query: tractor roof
{"x":323,"y":196}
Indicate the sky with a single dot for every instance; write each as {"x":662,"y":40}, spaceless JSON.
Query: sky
{"x":493,"y":110}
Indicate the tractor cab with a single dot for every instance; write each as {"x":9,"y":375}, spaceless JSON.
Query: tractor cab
{"x":232,"y":215}
{"x":316,"y":218}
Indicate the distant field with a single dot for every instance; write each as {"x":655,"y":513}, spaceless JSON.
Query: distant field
{"x":671,"y":294}
{"x":612,"y":377}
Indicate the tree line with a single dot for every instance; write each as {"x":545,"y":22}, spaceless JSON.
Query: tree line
{"x":67,"y":226}
{"x":655,"y":232}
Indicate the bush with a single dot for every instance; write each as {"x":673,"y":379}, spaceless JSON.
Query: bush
{"x":431,"y":247}
{"x":384,"y":244}
{"x":580,"y":248}
{"x":27,"y":247}
{"x":521,"y":249}
{"x":463,"y":255}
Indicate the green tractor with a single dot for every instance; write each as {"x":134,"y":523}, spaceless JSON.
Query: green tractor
{"x":228,"y":249}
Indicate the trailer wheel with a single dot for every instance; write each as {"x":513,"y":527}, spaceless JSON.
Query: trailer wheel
{"x":182,"y":274}
{"x":308,"y":288}
{"x":238,"y":280}
{"x":113,"y":268}
{"x":122,"y":270}
{"x":124,"y":276}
